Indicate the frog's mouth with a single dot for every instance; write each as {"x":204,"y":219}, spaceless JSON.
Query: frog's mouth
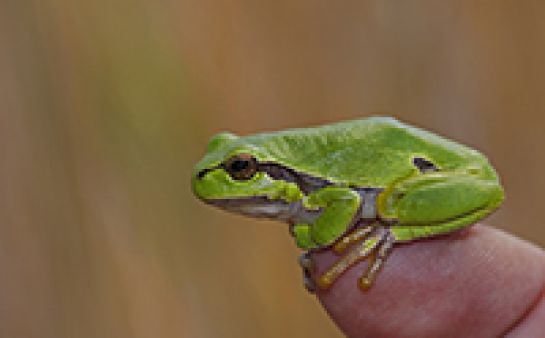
{"x":263,"y":207}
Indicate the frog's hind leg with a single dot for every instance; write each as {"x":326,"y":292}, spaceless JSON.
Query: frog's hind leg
{"x":377,"y":237}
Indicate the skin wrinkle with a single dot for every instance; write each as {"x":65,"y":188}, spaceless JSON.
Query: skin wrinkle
{"x":510,"y":331}
{"x":465,"y":282}
{"x":519,"y":324}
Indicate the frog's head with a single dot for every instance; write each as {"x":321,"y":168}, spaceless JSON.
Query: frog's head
{"x":234,"y":175}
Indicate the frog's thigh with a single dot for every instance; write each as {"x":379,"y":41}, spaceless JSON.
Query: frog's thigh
{"x":443,"y":207}
{"x":340,"y":205}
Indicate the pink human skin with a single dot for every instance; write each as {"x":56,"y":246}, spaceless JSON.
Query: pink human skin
{"x":480,"y":282}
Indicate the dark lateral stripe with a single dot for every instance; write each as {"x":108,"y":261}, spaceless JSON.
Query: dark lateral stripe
{"x":306,"y":183}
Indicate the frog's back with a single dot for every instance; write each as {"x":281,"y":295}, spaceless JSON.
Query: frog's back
{"x":373,"y":151}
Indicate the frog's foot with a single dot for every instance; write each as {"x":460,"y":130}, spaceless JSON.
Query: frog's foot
{"x":307,"y":265}
{"x":377,"y":245}
{"x":357,"y":235}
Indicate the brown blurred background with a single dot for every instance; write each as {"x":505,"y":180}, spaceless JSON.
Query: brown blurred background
{"x":106,"y":105}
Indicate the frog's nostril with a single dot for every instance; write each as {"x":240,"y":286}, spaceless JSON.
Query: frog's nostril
{"x":202,"y":173}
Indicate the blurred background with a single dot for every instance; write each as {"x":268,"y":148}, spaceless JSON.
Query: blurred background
{"x":106,"y":105}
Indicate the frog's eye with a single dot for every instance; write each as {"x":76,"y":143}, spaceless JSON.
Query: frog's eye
{"x":241,"y":167}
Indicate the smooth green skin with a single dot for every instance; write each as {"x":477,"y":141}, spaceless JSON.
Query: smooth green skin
{"x":373,"y":152}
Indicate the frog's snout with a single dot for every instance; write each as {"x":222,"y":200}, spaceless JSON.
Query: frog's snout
{"x":196,"y":181}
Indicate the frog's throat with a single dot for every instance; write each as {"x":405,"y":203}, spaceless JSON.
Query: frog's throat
{"x":263,"y":207}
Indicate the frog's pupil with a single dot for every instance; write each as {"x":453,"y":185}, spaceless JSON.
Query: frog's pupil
{"x":239,"y":165}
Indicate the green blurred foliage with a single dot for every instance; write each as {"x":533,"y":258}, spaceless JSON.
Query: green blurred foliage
{"x":106,"y":105}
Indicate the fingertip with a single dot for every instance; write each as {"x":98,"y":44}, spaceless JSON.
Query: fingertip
{"x":475,"y":282}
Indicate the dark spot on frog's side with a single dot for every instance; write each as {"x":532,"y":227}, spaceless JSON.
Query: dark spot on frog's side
{"x":424,"y":165}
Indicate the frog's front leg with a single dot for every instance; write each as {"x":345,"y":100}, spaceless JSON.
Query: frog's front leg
{"x":339,"y":207}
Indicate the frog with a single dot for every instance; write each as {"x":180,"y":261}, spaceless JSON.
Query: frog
{"x":356,"y":187}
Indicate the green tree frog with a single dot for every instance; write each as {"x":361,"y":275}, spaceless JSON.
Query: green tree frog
{"x":357,"y":187}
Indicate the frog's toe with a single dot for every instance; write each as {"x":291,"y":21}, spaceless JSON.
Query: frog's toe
{"x":308,"y":282}
{"x":307,"y":264}
{"x":356,"y":235}
{"x":376,"y":262}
